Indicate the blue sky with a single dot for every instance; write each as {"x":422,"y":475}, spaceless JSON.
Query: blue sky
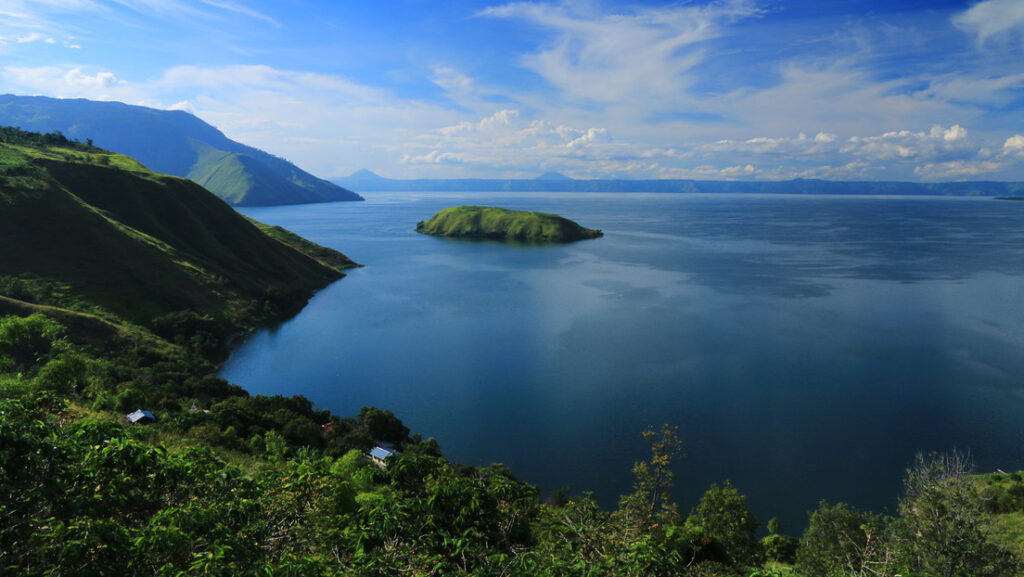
{"x":921,"y":90}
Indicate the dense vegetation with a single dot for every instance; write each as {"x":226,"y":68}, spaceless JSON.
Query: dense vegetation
{"x":225,"y":483}
{"x":257,"y":486}
{"x":97,"y":232}
{"x":491,"y":223}
{"x":175,"y":142}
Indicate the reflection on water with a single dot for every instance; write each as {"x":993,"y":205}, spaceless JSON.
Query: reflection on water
{"x":806,"y":347}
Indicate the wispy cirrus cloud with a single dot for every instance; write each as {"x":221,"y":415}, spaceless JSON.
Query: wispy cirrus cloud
{"x":710,"y":89}
{"x":642,"y":56}
{"x":993,"y":19}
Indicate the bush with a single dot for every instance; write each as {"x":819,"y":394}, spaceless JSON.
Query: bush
{"x":781,"y":548}
{"x":722,"y":513}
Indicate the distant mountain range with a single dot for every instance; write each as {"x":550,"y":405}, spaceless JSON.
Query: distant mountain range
{"x":366,"y":181}
{"x":177,"y":143}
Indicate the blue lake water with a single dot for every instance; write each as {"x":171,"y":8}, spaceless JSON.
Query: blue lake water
{"x":806,"y":347}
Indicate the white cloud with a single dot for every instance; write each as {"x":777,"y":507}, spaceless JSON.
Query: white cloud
{"x":452,"y":80}
{"x":506,"y":143}
{"x":954,"y":133}
{"x":738,"y":171}
{"x":1014,"y":145}
{"x":994,"y":88}
{"x":242,"y":10}
{"x":69,"y":83}
{"x":841,"y":96}
{"x":957,"y":169}
{"x":35,"y":37}
{"x":76,"y":78}
{"x":432,"y":157}
{"x":992,"y":19}
{"x":935,"y":144}
{"x":899,"y":154}
{"x":183,"y":105}
{"x":640,"y":56}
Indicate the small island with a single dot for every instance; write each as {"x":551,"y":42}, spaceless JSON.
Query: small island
{"x":492,"y":223}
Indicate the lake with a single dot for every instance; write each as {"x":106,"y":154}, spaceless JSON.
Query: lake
{"x":807,"y":347}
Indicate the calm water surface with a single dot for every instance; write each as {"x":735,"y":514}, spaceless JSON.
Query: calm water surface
{"x":807,"y":347}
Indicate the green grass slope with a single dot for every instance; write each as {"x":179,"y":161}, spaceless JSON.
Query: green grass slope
{"x":133,"y":245}
{"x":177,"y":143}
{"x":491,"y":223}
{"x":243,"y":180}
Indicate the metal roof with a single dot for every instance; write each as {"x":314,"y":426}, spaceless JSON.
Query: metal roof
{"x":381,"y":453}
{"x":139,"y":415}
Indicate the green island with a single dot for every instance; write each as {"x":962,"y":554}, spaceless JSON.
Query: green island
{"x":492,"y":223}
{"x":121,"y":292}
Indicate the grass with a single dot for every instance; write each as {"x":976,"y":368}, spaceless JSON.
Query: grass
{"x":780,"y":568}
{"x":131,"y":244}
{"x":481,"y":222}
{"x":327,"y":256}
{"x":1003,"y":495}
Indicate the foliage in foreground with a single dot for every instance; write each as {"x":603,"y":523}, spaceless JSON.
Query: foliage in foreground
{"x":258,"y":486}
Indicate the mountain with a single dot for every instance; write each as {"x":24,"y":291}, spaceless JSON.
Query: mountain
{"x":554,"y":182}
{"x":552,"y":176}
{"x":177,"y":143}
{"x":95,"y":231}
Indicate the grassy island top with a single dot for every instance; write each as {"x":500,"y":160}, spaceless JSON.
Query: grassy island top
{"x":492,"y":223}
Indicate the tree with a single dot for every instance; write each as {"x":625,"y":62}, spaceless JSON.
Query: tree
{"x":651,"y":503}
{"x":27,"y":341}
{"x":722,"y":513}
{"x":383,"y":425}
{"x":778,"y":547}
{"x":842,"y":540}
{"x":65,"y":374}
{"x":942,"y":529}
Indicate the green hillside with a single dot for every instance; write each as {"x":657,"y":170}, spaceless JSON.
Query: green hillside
{"x":120,"y":289}
{"x":177,"y":143}
{"x":491,"y":223}
{"x":84,"y":224}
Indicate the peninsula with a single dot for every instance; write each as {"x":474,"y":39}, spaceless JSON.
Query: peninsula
{"x":492,"y":223}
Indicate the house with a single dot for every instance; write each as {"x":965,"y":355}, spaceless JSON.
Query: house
{"x":140,"y":417}
{"x":380,"y":455}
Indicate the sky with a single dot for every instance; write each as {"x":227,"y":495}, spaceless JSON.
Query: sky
{"x":918,"y":90}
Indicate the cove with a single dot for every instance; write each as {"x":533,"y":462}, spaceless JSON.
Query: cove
{"x":806,"y":346}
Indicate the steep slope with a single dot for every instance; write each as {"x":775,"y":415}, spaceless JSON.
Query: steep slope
{"x":177,"y":143}
{"x":135,"y":245}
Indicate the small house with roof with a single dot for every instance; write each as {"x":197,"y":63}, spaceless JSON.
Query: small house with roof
{"x":380,"y":455}
{"x":140,"y":417}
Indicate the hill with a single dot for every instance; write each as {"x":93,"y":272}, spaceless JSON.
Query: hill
{"x":491,"y":223}
{"x":177,"y":143}
{"x":553,"y":176}
{"x":224,"y":483}
{"x":97,"y":232}
{"x":366,"y":181}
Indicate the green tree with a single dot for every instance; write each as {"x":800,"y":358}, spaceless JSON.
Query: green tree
{"x":942,"y":529}
{"x":382,"y":425}
{"x":722,"y":513}
{"x":26,"y":342}
{"x":840,"y":540}
{"x":66,"y":374}
{"x":650,"y":504}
